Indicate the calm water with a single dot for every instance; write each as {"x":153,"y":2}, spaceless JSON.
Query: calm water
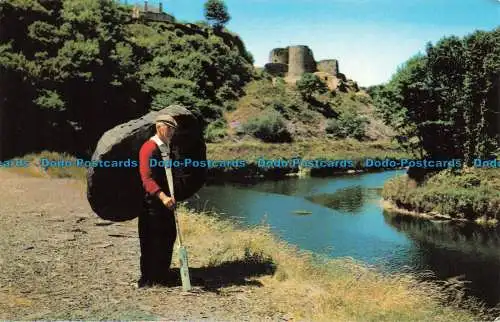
{"x":346,"y":219}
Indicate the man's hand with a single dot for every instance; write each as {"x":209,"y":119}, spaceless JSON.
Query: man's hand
{"x":169,"y":202}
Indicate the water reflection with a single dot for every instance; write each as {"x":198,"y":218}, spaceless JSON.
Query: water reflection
{"x":349,"y":199}
{"x":449,"y":250}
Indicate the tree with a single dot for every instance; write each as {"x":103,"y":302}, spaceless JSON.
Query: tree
{"x":216,"y":13}
{"x":310,"y":84}
{"x":72,"y":69}
{"x":443,"y":102}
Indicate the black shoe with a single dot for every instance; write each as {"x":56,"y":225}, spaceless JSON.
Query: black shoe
{"x":167,"y":283}
{"x":169,"y":278}
{"x":175,"y":280}
{"x":144,"y":283}
{"x":172,"y":275}
{"x":197,"y":281}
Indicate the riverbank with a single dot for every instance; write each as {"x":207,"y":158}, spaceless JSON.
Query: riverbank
{"x":354,"y":153}
{"x":66,"y":263}
{"x":251,"y":151}
{"x":468,"y":195}
{"x":390,"y":206}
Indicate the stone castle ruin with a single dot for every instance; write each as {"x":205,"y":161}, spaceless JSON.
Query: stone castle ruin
{"x":151,"y":14}
{"x":294,"y":61}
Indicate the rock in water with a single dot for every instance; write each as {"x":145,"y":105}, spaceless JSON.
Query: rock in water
{"x":116,"y":193}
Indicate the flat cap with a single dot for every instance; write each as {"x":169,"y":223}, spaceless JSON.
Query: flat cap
{"x":167,"y":119}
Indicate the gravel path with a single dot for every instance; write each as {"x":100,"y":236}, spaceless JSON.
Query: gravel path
{"x":58,"y":260}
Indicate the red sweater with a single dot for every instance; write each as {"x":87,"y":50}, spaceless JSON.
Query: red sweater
{"x":149,"y":177}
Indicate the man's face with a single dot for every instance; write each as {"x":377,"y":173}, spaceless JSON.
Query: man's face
{"x":165,"y":132}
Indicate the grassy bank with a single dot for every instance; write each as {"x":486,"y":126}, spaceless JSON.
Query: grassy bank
{"x":337,"y":289}
{"x":470,"y":194}
{"x":329,"y":149}
{"x":310,"y":149}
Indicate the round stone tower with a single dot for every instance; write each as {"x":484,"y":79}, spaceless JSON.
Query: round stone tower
{"x":279,"y":56}
{"x":300,"y":61}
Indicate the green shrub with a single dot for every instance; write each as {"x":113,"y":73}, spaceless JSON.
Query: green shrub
{"x":229,"y":105}
{"x":284,"y":107}
{"x":342,"y":86}
{"x":216,"y":130}
{"x":364,"y":99}
{"x":333,"y":127}
{"x":269,"y":127}
{"x":310,"y":84}
{"x":450,"y":178}
{"x":262,"y":74}
{"x":348,"y":124}
{"x":280,"y":82}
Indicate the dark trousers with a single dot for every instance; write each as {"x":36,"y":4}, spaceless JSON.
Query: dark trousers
{"x":157,"y":234}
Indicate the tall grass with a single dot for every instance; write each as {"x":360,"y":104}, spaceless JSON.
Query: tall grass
{"x":319,"y":289}
{"x":35,"y":167}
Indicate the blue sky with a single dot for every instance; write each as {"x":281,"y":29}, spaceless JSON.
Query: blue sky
{"x":370,"y":38}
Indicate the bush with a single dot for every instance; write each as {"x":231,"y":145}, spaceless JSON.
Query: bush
{"x":229,"y":105}
{"x":269,"y":127}
{"x":285,"y":108}
{"x":349,"y":124}
{"x":455,"y":179}
{"x":280,"y":82}
{"x":171,"y":91}
{"x":310,"y":84}
{"x":216,"y":131}
{"x":333,"y":127}
{"x":342,"y":86}
{"x":363,"y":98}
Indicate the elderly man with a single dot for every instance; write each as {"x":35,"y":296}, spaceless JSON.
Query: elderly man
{"x":157,"y":231}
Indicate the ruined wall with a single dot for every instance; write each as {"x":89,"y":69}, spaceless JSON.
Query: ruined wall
{"x":277,"y":69}
{"x":279,"y":56}
{"x":300,"y":61}
{"x":330,"y":66}
{"x":155,"y":16}
{"x":330,"y":80}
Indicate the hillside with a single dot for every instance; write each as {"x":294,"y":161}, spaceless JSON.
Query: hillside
{"x":73,"y":69}
{"x":275,"y":111}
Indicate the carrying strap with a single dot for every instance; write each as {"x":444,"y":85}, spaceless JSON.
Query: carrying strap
{"x":165,"y":154}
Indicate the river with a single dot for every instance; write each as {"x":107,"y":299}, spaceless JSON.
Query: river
{"x":342,"y":216}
